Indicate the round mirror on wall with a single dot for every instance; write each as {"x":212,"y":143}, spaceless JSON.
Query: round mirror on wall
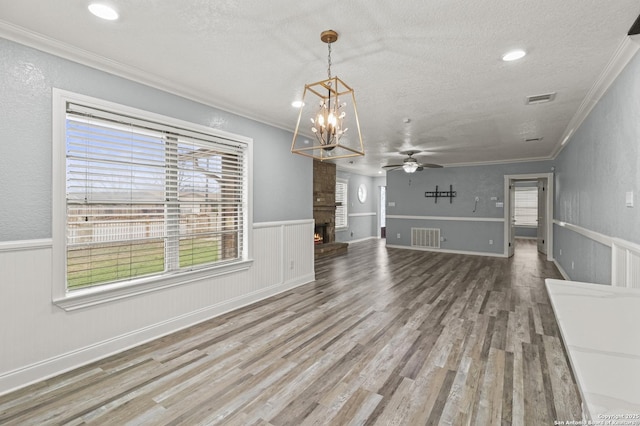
{"x":362,"y":192}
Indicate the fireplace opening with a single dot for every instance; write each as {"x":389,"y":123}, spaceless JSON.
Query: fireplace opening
{"x":320,"y":234}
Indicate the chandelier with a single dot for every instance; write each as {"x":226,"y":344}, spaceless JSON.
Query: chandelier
{"x":330,"y":104}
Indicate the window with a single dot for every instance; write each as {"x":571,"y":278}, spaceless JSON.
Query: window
{"x":146,"y":197}
{"x":341,"y":202}
{"x":526,"y":206}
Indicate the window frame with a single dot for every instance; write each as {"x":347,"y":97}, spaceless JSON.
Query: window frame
{"x":344,"y":204}
{"x":89,"y":296}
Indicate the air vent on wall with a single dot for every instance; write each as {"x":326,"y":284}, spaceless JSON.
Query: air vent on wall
{"x":538,"y":99}
{"x":425,"y":237}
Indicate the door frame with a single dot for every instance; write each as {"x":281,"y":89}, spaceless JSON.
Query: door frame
{"x":548,"y":213}
{"x":381,"y":209}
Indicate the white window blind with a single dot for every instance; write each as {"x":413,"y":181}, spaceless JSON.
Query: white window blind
{"x":144,"y":198}
{"x":341,"y":202}
{"x":526,"y":206}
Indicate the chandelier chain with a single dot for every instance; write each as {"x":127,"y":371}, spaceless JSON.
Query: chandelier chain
{"x":329,"y":62}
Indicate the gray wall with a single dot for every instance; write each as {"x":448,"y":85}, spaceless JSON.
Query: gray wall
{"x":526,"y":231}
{"x":27,"y":79}
{"x":598,"y":165}
{"x":363,"y":217}
{"x":407,"y":191}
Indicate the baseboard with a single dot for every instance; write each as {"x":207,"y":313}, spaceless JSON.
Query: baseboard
{"x":562,"y":271}
{"x":359,"y":240}
{"x":27,"y":375}
{"x":472,"y":253}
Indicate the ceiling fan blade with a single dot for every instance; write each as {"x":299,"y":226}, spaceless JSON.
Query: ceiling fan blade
{"x":392,"y":166}
{"x":431,"y":166}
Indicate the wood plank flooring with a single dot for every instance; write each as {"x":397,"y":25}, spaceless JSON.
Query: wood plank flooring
{"x":383,"y":336}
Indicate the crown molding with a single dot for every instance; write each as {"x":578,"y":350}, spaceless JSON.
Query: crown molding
{"x":72,"y":53}
{"x":498,"y":162}
{"x":622,"y":56}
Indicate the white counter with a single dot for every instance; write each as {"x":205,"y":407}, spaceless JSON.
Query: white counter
{"x":600,"y":326}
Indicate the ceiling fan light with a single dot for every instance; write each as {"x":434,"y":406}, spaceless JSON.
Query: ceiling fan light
{"x":410,"y":167}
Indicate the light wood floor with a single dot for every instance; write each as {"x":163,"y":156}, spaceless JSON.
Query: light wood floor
{"x":383,"y":336}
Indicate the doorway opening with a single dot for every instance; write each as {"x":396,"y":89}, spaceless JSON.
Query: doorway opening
{"x":529,"y":212}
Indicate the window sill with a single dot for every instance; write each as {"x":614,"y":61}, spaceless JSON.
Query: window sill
{"x":84,"y":298}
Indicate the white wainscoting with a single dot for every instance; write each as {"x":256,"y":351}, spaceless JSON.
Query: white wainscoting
{"x":450,"y":218}
{"x":625,"y":256}
{"x":39,"y":340}
{"x":625,"y":264}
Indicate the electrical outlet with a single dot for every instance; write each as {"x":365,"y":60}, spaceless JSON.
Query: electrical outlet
{"x":560,"y":252}
{"x":572,"y":264}
{"x":490,"y":242}
{"x":398,"y":236}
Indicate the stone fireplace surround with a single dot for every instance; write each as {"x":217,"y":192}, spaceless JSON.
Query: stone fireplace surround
{"x":324,"y":208}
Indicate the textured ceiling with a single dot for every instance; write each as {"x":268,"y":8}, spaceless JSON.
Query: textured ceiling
{"x":435,"y":63}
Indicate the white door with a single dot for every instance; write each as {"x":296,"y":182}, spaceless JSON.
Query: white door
{"x":512,"y":218}
{"x":542,"y":215}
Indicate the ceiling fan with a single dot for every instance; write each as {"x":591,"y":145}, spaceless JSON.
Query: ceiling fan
{"x":410,"y":164}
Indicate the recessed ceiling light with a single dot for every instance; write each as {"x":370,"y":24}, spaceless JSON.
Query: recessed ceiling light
{"x":103,"y":11}
{"x":514,"y":55}
{"x":297,"y":104}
